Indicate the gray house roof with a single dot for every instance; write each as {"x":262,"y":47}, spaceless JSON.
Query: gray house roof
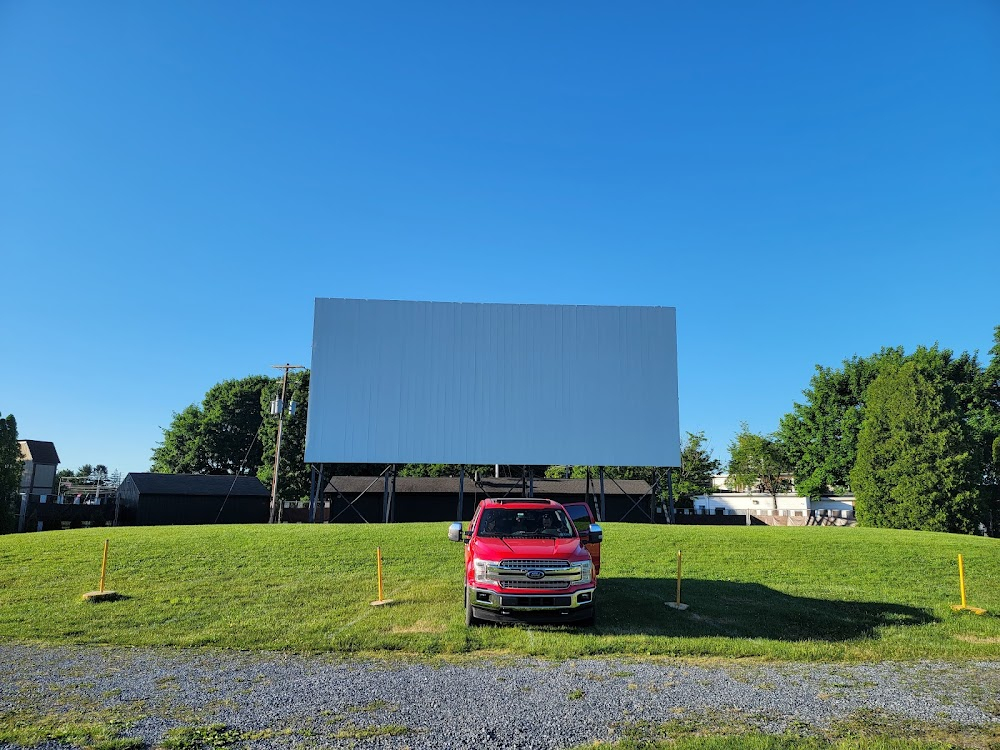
{"x":553,"y":488}
{"x":198,"y":484}
{"x":39,"y":451}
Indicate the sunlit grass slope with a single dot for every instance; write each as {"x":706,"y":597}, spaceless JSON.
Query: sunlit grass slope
{"x":782,"y":593}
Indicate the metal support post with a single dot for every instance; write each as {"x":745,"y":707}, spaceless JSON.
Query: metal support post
{"x":392,"y":496}
{"x":671,"y":510}
{"x":531,"y":481}
{"x":654,"y":501}
{"x":604,"y":514}
{"x":312,"y":493}
{"x":321,"y":494}
{"x":276,"y":505}
{"x":461,"y":491}
{"x":24,"y":512}
{"x":385,"y":497}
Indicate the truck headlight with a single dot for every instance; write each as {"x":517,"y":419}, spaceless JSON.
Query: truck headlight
{"x":586,"y":571}
{"x":480,"y":566}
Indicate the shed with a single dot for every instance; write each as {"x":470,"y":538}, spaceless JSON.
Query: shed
{"x":147,"y":499}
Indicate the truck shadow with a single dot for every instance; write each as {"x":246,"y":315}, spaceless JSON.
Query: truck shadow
{"x":740,"y":610}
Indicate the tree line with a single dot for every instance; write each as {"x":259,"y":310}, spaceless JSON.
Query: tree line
{"x":915,"y":437}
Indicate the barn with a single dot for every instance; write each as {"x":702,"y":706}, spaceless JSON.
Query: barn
{"x":147,"y":499}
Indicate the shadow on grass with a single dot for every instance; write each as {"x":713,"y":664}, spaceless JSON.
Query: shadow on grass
{"x":94,"y":597}
{"x":741,"y":610}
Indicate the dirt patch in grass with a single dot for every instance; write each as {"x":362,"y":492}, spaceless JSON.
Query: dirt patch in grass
{"x":421,"y":626}
{"x":977,"y":639}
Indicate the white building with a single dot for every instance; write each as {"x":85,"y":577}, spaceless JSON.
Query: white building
{"x":738,"y":503}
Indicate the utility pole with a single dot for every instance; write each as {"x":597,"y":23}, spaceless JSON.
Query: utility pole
{"x":278,"y":409}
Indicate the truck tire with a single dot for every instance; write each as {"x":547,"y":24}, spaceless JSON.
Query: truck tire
{"x":470,"y":617}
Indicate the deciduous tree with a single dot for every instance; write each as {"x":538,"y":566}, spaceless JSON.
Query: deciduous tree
{"x":220,"y":436}
{"x":180,"y":451}
{"x":758,"y":461}
{"x":445,"y":470}
{"x":231,"y":416}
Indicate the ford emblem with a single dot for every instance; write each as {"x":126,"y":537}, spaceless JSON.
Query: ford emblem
{"x":534,"y":575}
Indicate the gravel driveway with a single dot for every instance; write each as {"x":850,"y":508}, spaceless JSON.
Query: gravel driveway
{"x":287,"y":701}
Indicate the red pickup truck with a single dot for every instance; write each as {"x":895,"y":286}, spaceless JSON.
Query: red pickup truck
{"x":526,"y":560}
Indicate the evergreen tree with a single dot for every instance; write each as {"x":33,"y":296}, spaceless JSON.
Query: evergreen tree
{"x":697,"y":469}
{"x":11,"y":466}
{"x":915,"y":466}
{"x":985,"y":421}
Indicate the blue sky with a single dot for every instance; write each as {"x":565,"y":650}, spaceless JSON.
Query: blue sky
{"x":179,"y":181}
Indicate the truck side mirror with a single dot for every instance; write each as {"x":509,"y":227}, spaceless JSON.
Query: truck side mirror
{"x":596,"y":534}
{"x":455,"y":532}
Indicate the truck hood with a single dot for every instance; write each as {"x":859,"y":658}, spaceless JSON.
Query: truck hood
{"x":494,"y":548}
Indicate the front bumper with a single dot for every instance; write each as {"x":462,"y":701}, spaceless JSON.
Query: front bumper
{"x":532,"y":606}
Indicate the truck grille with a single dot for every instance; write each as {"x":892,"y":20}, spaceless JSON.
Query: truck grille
{"x":536,"y":601}
{"x":523,"y":583}
{"x":534,"y":564}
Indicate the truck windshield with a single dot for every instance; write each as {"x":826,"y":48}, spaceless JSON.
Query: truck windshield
{"x":509,"y":522}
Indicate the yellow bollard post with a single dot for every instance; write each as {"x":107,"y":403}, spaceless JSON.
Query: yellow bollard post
{"x":378,"y":553}
{"x":961,"y":578}
{"x":104,"y":567}
{"x":961,"y":584}
{"x":101,"y":594}
{"x":678,"y":576}
{"x":381,"y":599}
{"x":677,"y":604}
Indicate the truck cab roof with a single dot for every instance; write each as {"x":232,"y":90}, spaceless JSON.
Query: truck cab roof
{"x":519,"y":503}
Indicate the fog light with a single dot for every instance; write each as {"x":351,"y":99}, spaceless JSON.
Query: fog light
{"x":584,"y":597}
{"x":482,"y":596}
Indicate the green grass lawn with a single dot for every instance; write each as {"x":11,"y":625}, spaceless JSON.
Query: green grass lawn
{"x":770,"y":742}
{"x":776,"y":593}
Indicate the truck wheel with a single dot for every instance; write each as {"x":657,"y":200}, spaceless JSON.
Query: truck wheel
{"x":470,"y":618}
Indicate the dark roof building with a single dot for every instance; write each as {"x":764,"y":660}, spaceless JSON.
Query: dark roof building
{"x":40,"y":461}
{"x":148,"y":499}
{"x":39,"y":451}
